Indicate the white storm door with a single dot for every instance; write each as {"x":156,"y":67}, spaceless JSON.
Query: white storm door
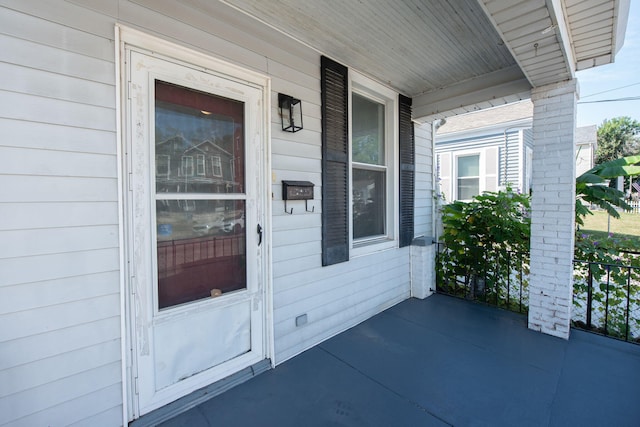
{"x":195,"y":238}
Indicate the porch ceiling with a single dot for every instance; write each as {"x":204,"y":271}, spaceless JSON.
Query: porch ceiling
{"x":454,"y":56}
{"x":415,"y":46}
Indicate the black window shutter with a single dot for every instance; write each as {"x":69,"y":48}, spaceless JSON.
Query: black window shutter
{"x":335,"y":162}
{"x":407,"y":171}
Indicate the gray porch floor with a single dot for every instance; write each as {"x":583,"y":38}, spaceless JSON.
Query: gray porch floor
{"x":440,"y":361}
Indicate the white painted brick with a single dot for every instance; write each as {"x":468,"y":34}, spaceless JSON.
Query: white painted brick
{"x":552,"y":208}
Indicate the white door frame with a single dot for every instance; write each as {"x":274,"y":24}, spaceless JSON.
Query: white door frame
{"x":127,"y":38}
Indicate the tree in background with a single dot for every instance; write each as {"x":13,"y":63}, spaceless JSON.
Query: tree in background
{"x":617,"y":138}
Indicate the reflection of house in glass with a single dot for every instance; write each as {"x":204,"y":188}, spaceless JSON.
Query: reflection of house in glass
{"x":203,"y":168}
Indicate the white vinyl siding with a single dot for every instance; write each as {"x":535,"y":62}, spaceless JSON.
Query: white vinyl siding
{"x":424,"y":191}
{"x":495,"y":156}
{"x":445,"y":178}
{"x":511,"y":153}
{"x":448,"y":173}
{"x":59,"y":287}
{"x":60,"y":282}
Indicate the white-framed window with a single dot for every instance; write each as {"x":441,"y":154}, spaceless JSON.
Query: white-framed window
{"x":187,"y":165}
{"x":216,"y":164}
{"x":163,"y":165}
{"x":373,"y":155}
{"x":200,"y":164}
{"x":468,"y":176}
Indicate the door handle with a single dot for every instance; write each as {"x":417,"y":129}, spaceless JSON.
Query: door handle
{"x":259,"y":234}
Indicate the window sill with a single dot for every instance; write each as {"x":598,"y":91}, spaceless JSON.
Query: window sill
{"x":366,"y":247}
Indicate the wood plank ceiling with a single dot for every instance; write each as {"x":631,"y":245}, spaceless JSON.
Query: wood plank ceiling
{"x":597,"y":30}
{"x":453,"y":55}
{"x":415,"y":46}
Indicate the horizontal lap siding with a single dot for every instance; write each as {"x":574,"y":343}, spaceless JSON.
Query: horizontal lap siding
{"x":513,"y":161}
{"x":424,"y":181}
{"x":336,"y":297}
{"x":59,"y":287}
{"x":453,"y":145}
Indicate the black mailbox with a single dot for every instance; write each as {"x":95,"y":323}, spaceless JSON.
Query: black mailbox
{"x":297,"y":190}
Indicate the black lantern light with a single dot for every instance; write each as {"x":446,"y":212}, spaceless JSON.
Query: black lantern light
{"x":290,"y":113}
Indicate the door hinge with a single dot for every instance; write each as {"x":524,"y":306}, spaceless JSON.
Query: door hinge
{"x":129,"y":89}
{"x":136,"y":389}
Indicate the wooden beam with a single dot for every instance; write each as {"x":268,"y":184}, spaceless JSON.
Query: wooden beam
{"x":499,"y":87}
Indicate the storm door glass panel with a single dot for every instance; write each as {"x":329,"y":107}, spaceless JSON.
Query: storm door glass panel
{"x":201,"y":244}
{"x":468,"y":177}
{"x":192,"y":129}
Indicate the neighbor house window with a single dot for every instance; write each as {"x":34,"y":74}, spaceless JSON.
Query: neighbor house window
{"x":162,"y":165}
{"x":200,"y":164}
{"x":217,"y":165}
{"x":468,"y":177}
{"x":187,"y":165}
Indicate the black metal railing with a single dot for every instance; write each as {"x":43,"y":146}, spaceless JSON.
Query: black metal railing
{"x":496,"y":277}
{"x":606,"y":297}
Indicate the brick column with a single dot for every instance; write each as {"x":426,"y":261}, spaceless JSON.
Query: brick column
{"x":552,"y":208}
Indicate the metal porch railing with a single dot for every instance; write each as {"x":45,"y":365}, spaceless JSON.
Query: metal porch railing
{"x":606,"y":297}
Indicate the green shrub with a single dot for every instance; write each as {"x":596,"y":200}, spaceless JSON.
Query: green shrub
{"x":486,"y":241}
{"x":615,"y":294}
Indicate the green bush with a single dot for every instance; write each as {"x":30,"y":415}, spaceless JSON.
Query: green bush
{"x":486,"y":241}
{"x":615,"y":294}
{"x":485,"y":256}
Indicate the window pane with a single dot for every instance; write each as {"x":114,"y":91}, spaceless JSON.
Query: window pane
{"x":468,"y":188}
{"x":367,"y":131}
{"x":201,"y":248}
{"x":368,"y":203}
{"x":469,"y":166}
{"x":162,"y":165}
{"x":192,"y":129}
{"x":216,"y":163}
{"x":201,"y":170}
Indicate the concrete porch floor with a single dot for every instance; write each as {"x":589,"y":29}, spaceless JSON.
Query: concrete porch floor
{"x":439,"y":361}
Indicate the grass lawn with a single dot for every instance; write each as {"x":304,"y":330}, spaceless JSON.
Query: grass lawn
{"x":626,"y":228}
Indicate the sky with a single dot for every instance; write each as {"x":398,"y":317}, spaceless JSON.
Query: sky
{"x":613,"y":81}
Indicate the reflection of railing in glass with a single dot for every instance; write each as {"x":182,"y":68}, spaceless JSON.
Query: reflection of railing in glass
{"x":189,"y":269}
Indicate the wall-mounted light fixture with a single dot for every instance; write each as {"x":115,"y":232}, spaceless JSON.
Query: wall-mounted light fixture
{"x":290,"y":113}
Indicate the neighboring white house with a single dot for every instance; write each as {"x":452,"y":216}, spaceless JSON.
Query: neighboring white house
{"x":586,"y":146}
{"x":490,"y":149}
{"x":148,"y":249}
